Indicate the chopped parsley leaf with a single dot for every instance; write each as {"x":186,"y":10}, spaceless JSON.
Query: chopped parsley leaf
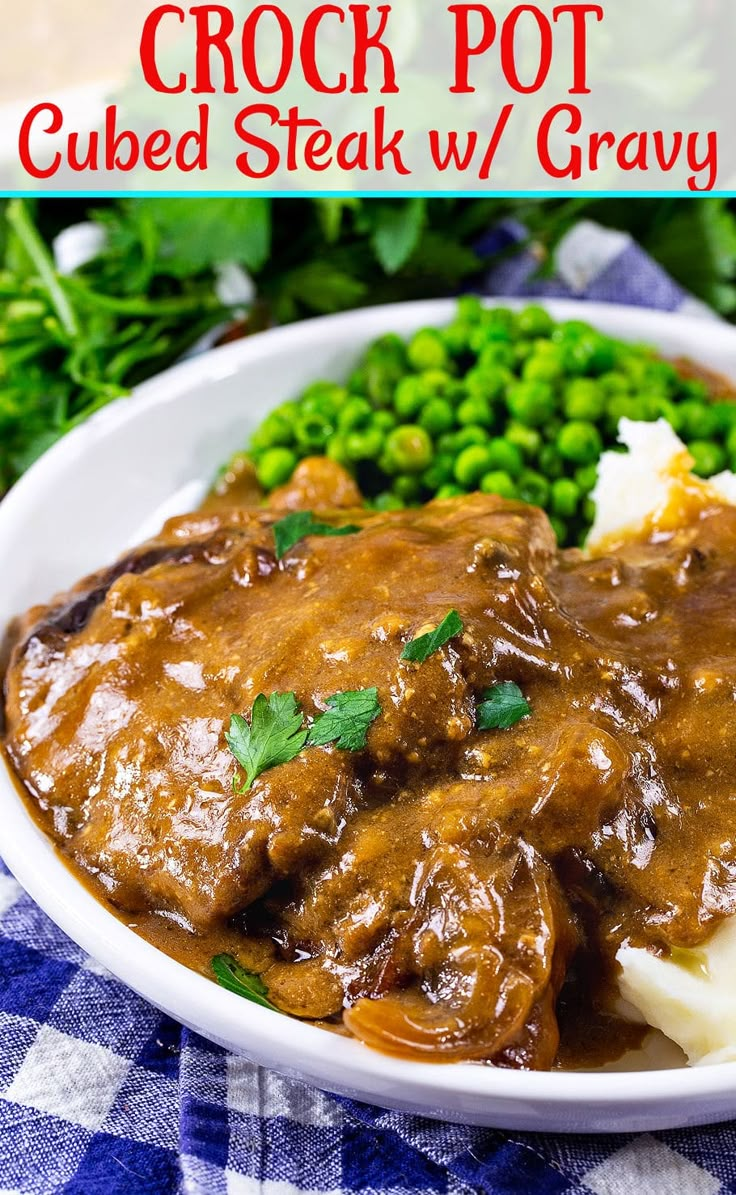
{"x":229,"y":974}
{"x":300,"y":523}
{"x":274,"y":735}
{"x":347,"y":719}
{"x":423,"y":647}
{"x":503,"y":705}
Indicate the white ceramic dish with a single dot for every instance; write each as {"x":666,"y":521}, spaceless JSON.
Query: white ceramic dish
{"x":113,"y":480}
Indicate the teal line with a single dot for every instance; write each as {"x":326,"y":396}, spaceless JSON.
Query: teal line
{"x":377,"y":194}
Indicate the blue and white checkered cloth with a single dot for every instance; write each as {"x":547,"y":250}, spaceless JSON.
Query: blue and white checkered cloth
{"x":100,"y":1093}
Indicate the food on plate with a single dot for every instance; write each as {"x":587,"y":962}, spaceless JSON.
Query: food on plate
{"x":417,"y":774}
{"x":508,"y":402}
{"x":687,"y":991}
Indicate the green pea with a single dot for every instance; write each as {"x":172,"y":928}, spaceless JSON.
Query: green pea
{"x":550,"y":461}
{"x":543,"y":366}
{"x":500,"y":319}
{"x":533,"y":488}
{"x":661,"y":378}
{"x":531,"y":403}
{"x":410,"y":395}
{"x":588,"y":510}
{"x":709,"y":457}
{"x":650,"y":406}
{"x":547,"y":348}
{"x":426,"y":350}
{"x":313,"y":432}
{"x":364,"y":445}
{"x":583,"y":398}
{"x":387,"y":501}
{"x":487,"y":381}
{"x":534,"y":321}
{"x":621,"y":406}
{"x":504,"y":456}
{"x":499,"y":354}
{"x":564,"y":497}
{"x":409,"y":448}
{"x":287,"y":410}
{"x":275,"y":467}
{"x":699,"y":420}
{"x":456,"y":337}
{"x":665,"y":409}
{"x":382,"y":368}
{"x":450,"y":491}
{"x":586,"y":478}
{"x":440,"y":472}
{"x":635,"y":368}
{"x":446,"y":443}
{"x":437,"y":417}
{"x":471,"y":464}
{"x":384,"y":420}
{"x":456,"y":392}
{"x":498,"y":482}
{"x":408,"y":489}
{"x":323,"y":398}
{"x":475,"y":410}
{"x":559,"y":526}
{"x":613,"y":382}
{"x":579,"y":442}
{"x":498,"y":331}
{"x":357,"y":412}
{"x":731,"y":444}
{"x":470,"y":309}
{"x":725,"y":413}
{"x":526,"y":439}
{"x":473,"y":434}
{"x":485,"y":334}
{"x":275,"y":431}
{"x":590,"y":353}
{"x":389,"y":346}
{"x":570,"y":330}
{"x":337,"y":450}
{"x":521,"y":352}
{"x":694,"y":388}
{"x":437,"y":382}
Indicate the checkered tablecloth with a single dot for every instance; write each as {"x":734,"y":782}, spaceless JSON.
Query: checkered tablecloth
{"x":100,"y":1093}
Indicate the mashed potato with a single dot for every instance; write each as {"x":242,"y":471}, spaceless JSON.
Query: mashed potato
{"x":650,"y":485}
{"x":689,"y":996}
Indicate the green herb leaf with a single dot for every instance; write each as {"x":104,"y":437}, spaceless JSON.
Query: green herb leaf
{"x":229,"y":974}
{"x":420,"y":649}
{"x":315,"y":286}
{"x":503,"y":705}
{"x":330,"y":214}
{"x":193,"y":236}
{"x":347,"y":720}
{"x":296,"y":526}
{"x":397,"y":230}
{"x":274,"y":735}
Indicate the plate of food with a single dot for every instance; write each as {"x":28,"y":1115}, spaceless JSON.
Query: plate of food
{"x":386,"y":739}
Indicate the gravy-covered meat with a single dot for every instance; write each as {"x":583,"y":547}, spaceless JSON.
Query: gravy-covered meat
{"x":438,"y":882}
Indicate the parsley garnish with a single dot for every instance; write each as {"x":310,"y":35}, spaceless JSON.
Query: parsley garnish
{"x":346,"y":721}
{"x":274,"y":735}
{"x":423,"y":647}
{"x":229,"y":974}
{"x":503,"y":705}
{"x":300,"y":523}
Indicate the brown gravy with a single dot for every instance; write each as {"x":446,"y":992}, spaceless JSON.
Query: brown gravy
{"x":448,"y":891}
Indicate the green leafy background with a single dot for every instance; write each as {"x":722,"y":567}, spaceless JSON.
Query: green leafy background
{"x":68,"y":345}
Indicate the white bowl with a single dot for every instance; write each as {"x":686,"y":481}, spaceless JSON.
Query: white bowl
{"x":113,"y":480}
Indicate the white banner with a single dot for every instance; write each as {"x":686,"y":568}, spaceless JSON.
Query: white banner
{"x":402,"y":96}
